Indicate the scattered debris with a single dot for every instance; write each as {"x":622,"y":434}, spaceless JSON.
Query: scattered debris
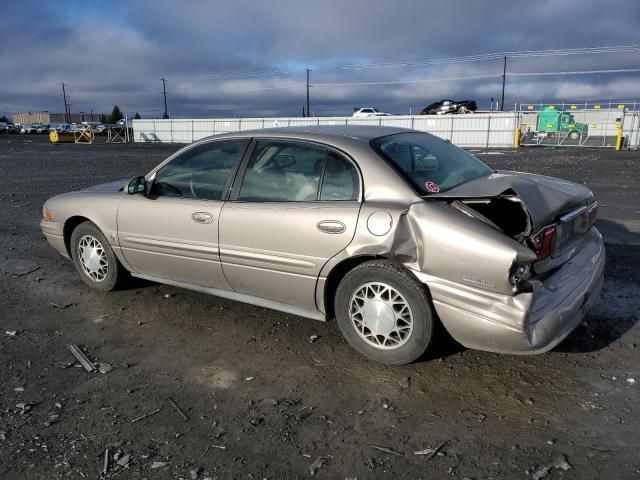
{"x":559,"y":462}
{"x":84,"y":361}
{"x":11,"y":333}
{"x":123,"y":461}
{"x":159,"y":464}
{"x":317,"y":465}
{"x":178,"y":409}
{"x":168,"y":295}
{"x":104,"y":367}
{"x":313,"y":338}
{"x":385,"y":404}
{"x":105,"y":468}
{"x":146,"y":415}
{"x":17,"y":267}
{"x":195,"y":472}
{"x":551,"y":441}
{"x":248,"y":379}
{"x":18,"y":389}
{"x":631,"y":381}
{"x":405,"y":382}
{"x":62,"y":306}
{"x":431,"y":452}
{"x":388,"y":450}
{"x":24,"y":408}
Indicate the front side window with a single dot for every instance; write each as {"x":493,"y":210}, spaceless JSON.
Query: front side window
{"x":428,"y":163}
{"x":281,"y":171}
{"x":202,"y":172}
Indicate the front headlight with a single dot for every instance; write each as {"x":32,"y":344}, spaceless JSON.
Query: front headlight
{"x":46,"y":214}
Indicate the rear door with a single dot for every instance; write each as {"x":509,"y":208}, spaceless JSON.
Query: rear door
{"x":295,"y":206}
{"x":172,"y":233}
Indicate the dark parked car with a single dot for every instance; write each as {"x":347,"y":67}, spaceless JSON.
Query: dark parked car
{"x":450,"y":106}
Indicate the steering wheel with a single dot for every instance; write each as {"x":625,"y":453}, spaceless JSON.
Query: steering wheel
{"x":193,"y":182}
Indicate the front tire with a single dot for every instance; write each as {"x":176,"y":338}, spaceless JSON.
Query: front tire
{"x":94,"y":259}
{"x":385,"y":313}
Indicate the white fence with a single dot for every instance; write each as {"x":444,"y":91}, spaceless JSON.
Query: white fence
{"x":470,"y":130}
{"x":488,"y":130}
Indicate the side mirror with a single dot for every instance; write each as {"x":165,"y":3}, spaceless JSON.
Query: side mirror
{"x":137,"y":185}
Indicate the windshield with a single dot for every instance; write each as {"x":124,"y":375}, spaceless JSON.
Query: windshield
{"x":428,"y":163}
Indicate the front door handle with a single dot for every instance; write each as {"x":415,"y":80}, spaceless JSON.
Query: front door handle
{"x":331,"y":226}
{"x":202,"y":217}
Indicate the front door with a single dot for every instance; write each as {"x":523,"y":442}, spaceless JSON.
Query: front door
{"x":295,"y":207}
{"x":172,"y":233}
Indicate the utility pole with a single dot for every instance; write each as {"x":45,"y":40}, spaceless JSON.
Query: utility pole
{"x":504,"y":78}
{"x":308,"y":111}
{"x":66,"y":106}
{"x":164,"y":92}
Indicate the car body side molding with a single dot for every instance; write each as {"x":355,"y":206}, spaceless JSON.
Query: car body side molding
{"x":240,"y":297}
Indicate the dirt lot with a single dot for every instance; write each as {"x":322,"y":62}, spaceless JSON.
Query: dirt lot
{"x":261,"y":400}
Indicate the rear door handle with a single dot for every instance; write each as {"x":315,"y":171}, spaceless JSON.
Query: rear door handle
{"x":331,"y":226}
{"x":202,"y":217}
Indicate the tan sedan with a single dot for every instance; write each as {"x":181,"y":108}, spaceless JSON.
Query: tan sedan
{"x":387,"y":230}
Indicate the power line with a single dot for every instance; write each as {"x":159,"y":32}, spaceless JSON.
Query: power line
{"x":425,"y":62}
{"x":579,"y":72}
{"x":426,"y":80}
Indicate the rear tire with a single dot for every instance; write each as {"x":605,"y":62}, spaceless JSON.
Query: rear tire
{"x":385,"y":313}
{"x":94,"y":259}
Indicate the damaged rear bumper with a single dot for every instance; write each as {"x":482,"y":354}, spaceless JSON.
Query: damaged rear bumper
{"x":527,"y":323}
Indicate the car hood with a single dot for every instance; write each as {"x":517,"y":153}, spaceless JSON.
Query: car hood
{"x":115,"y":186}
{"x":544,"y":198}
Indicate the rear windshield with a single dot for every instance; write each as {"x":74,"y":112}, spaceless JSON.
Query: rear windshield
{"x":428,"y":163}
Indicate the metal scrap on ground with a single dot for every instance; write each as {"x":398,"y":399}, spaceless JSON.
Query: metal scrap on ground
{"x":178,"y":409}
{"x":84,"y":361}
{"x":145,"y":415}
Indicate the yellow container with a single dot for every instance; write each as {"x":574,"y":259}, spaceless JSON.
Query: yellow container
{"x":61,"y":137}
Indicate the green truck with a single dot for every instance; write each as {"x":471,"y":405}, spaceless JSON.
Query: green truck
{"x":552,"y":121}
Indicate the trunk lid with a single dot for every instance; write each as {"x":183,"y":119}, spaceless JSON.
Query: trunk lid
{"x":521,"y":205}
{"x":545,"y":199}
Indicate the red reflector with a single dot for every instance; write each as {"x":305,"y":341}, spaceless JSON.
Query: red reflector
{"x":544,"y":242}
{"x":592,"y":214}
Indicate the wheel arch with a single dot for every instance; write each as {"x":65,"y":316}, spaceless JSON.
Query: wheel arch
{"x":69,"y":226}
{"x":336,"y":275}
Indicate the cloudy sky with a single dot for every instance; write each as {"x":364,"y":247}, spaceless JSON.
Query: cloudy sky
{"x":248,"y":57}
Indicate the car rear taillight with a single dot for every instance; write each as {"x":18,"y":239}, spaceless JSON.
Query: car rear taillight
{"x":544,"y":242}
{"x":592,"y":214}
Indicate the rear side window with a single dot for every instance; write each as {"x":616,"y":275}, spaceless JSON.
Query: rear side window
{"x":428,"y":163}
{"x":282,"y":171}
{"x":340,"y":180}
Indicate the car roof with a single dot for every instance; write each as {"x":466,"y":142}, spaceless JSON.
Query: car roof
{"x":358,"y":132}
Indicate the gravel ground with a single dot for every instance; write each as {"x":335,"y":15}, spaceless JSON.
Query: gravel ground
{"x":260,"y":399}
